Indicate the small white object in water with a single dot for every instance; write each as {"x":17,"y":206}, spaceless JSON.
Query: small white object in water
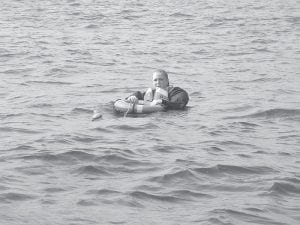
{"x":96,"y":115}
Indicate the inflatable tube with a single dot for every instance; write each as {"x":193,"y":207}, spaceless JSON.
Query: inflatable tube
{"x":140,"y":108}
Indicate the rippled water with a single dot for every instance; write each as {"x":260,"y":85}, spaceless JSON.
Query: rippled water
{"x":232,"y":157}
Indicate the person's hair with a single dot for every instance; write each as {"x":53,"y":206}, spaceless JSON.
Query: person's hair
{"x":163,"y":73}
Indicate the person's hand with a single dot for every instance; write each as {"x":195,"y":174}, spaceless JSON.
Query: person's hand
{"x":132,"y":99}
{"x":157,"y":102}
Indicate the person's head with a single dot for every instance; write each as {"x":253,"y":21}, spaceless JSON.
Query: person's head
{"x":160,"y":79}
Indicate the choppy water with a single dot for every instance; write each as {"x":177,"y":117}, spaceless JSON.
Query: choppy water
{"x":231,"y":158}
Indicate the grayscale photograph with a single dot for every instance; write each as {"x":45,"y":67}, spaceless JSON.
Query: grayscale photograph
{"x":147,"y":112}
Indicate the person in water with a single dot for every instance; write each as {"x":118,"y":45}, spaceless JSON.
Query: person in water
{"x":162,"y":93}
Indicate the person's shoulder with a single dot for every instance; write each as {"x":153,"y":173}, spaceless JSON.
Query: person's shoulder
{"x":178,"y":96}
{"x":176,"y":90}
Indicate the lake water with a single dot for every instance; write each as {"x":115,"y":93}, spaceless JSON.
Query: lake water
{"x":232,"y":157}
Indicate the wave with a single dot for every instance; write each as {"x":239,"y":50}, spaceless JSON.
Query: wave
{"x":69,"y":157}
{"x":121,"y":160}
{"x":14,"y":196}
{"x":214,"y":24}
{"x":244,"y":216}
{"x":165,"y":148}
{"x":196,"y":94}
{"x":43,"y":156}
{"x":84,"y":139}
{"x":257,"y":80}
{"x":41,"y":105}
{"x":158,"y":197}
{"x":291,"y":136}
{"x":284,"y":188}
{"x":103,"y":192}
{"x":235,"y":143}
{"x":233,"y":170}
{"x":215,"y":149}
{"x":59,"y":139}
{"x":3,"y":188}
{"x":132,"y":17}
{"x":112,"y":90}
{"x":48,"y":115}
{"x":4,"y":116}
{"x":102,"y":129}
{"x":126,"y":11}
{"x":79,"y":155}
{"x":54,"y":190}
{"x":292,"y":180}
{"x":277,"y":113}
{"x":183,"y":176}
{"x":84,"y":202}
{"x":91,"y":26}
{"x":200,"y":52}
{"x":271,"y":114}
{"x":33,"y":170}
{"x":134,"y":127}
{"x":263,"y":50}
{"x":293,"y":19}
{"x":17,"y":71}
{"x":81,"y":110}
{"x":19,"y":130}
{"x":7,"y":55}
{"x":190,"y":195}
{"x":92,"y":170}
{"x":247,"y":124}
{"x":130,"y":203}
{"x":49,"y":82}
{"x":93,"y":17}
{"x":263,"y":41}
{"x":181,"y":15}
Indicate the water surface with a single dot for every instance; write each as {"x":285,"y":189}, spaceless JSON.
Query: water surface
{"x":232,"y":157}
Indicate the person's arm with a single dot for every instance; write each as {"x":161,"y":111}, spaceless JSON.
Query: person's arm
{"x":135,"y":97}
{"x":139,"y":95}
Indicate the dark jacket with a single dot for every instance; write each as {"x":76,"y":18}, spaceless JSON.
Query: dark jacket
{"x":178,"y":98}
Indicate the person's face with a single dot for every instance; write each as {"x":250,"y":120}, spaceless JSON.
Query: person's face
{"x":160,"y":80}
